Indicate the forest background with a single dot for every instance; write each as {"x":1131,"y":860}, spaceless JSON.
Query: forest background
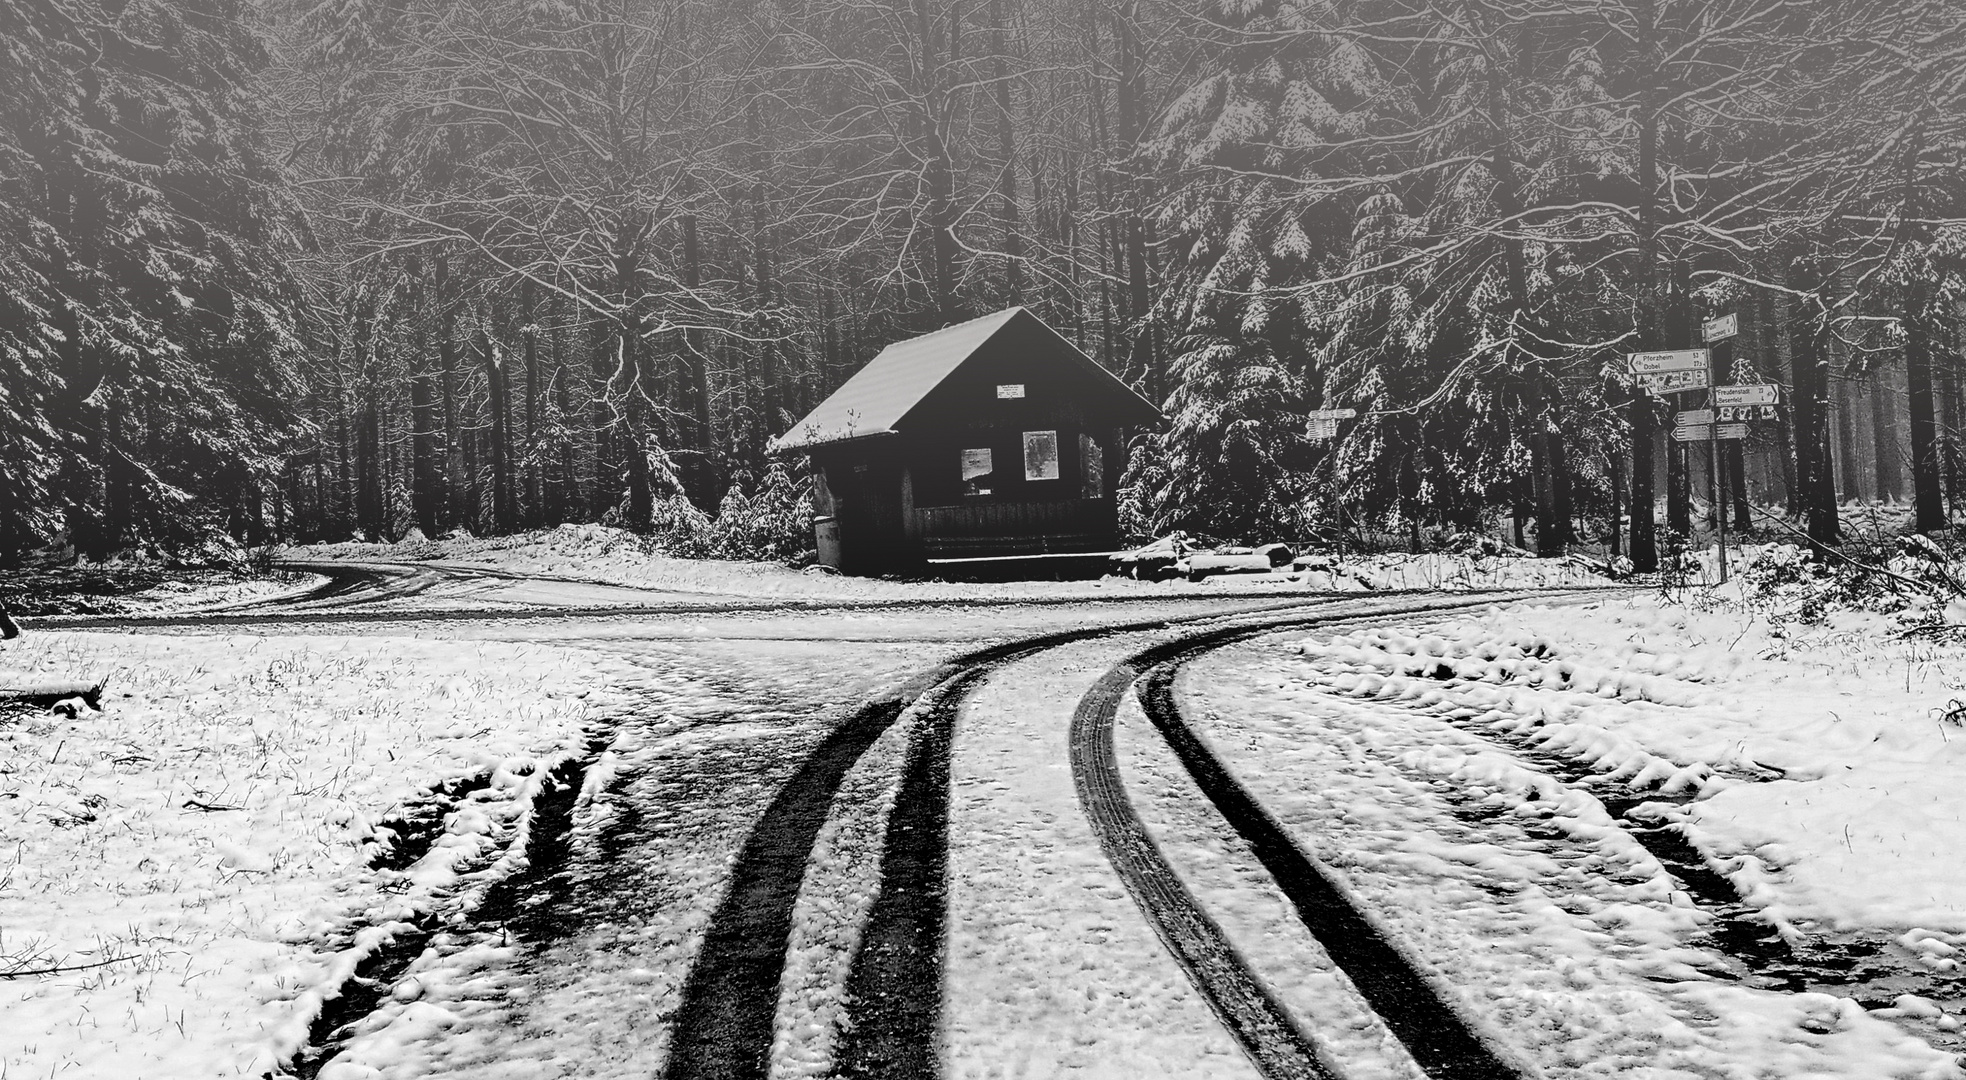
{"x":307,"y":269}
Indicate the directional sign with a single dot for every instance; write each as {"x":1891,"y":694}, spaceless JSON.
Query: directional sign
{"x":1333,"y":414}
{"x":1751,"y":394}
{"x":1648,"y":363}
{"x":1322,"y":429}
{"x":1672,"y":382}
{"x":1692,"y":417}
{"x":1720,"y":329}
{"x":1708,"y":432}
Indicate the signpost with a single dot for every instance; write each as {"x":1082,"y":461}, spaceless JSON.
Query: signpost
{"x":1720,"y":329}
{"x":1707,"y":431}
{"x":1671,"y":382}
{"x":1672,"y":372}
{"x":1750,"y":394}
{"x":1323,"y":427}
{"x":1651,"y":363}
{"x":1676,"y":371}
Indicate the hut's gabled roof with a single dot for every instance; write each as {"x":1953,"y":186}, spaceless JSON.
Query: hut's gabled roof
{"x":879,"y":396}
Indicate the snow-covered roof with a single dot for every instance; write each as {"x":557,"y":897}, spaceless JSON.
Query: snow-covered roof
{"x":879,"y":396}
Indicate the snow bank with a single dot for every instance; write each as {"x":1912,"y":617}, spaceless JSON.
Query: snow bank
{"x":603,"y":555}
{"x":1447,"y":572}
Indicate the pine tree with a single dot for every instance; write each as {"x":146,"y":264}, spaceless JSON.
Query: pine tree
{"x":145,"y":309}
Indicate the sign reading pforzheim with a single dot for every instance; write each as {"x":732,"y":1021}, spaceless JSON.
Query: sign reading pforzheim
{"x":1670,"y":372}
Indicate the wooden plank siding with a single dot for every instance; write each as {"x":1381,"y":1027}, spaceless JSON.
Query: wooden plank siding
{"x":1014,"y":528}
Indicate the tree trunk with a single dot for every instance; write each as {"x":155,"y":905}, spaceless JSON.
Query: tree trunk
{"x":606,"y":492}
{"x":1546,"y":453}
{"x":1887,"y":457}
{"x":701,"y":472}
{"x":931,"y":120}
{"x":1950,"y":401}
{"x":1013,"y":239}
{"x":1680,"y":334}
{"x":426,"y":495}
{"x":1927,"y":508}
{"x":535,"y":467}
{"x":454,"y":507}
{"x":1644,"y":543}
{"x":1616,"y":469}
{"x":1811,"y":412}
{"x":1143,"y":360}
{"x":370,"y":511}
{"x":1735,"y":463}
{"x":566,"y":489}
{"x":1778,"y":328}
{"x":501,"y":458}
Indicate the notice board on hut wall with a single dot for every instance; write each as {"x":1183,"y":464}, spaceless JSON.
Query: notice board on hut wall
{"x":1041,"y":455}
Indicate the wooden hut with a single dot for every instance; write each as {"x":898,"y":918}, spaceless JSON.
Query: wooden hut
{"x":991,"y":439}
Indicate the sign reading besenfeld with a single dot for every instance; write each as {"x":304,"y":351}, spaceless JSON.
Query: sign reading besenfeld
{"x":1750,"y":394}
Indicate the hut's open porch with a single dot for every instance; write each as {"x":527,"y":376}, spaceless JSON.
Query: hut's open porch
{"x":999,"y":529}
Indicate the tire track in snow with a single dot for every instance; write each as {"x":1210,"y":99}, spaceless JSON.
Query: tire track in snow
{"x":724,"y":1027}
{"x":892,"y":1030}
{"x":1444,"y":1043}
{"x":1872,"y":970}
{"x":512,"y":897}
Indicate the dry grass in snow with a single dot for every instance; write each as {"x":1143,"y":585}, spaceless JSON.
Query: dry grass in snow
{"x":186,"y":867}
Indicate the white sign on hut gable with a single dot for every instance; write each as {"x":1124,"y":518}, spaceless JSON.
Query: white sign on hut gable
{"x":1010,"y":390}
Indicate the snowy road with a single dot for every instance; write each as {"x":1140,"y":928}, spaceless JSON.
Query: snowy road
{"x":1095,"y":838}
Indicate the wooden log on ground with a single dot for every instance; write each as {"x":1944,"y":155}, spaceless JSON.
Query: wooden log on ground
{"x":45,"y":693}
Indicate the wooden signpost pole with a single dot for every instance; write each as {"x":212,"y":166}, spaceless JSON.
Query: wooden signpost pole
{"x":1324,"y":428}
{"x":1719,"y":334}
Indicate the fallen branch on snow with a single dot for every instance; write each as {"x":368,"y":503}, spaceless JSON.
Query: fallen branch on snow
{"x":209,"y":808}
{"x":61,"y":969}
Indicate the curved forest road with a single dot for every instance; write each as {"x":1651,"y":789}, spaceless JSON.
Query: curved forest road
{"x":881,"y":839}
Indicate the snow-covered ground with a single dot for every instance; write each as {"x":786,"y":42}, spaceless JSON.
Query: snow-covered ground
{"x":1811,"y":766}
{"x":203,"y":840}
{"x":712,"y":726}
{"x":184,"y":864}
{"x":602,"y":555}
{"x":170,"y":597}
{"x":143,"y":589}
{"x":1050,"y":969}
